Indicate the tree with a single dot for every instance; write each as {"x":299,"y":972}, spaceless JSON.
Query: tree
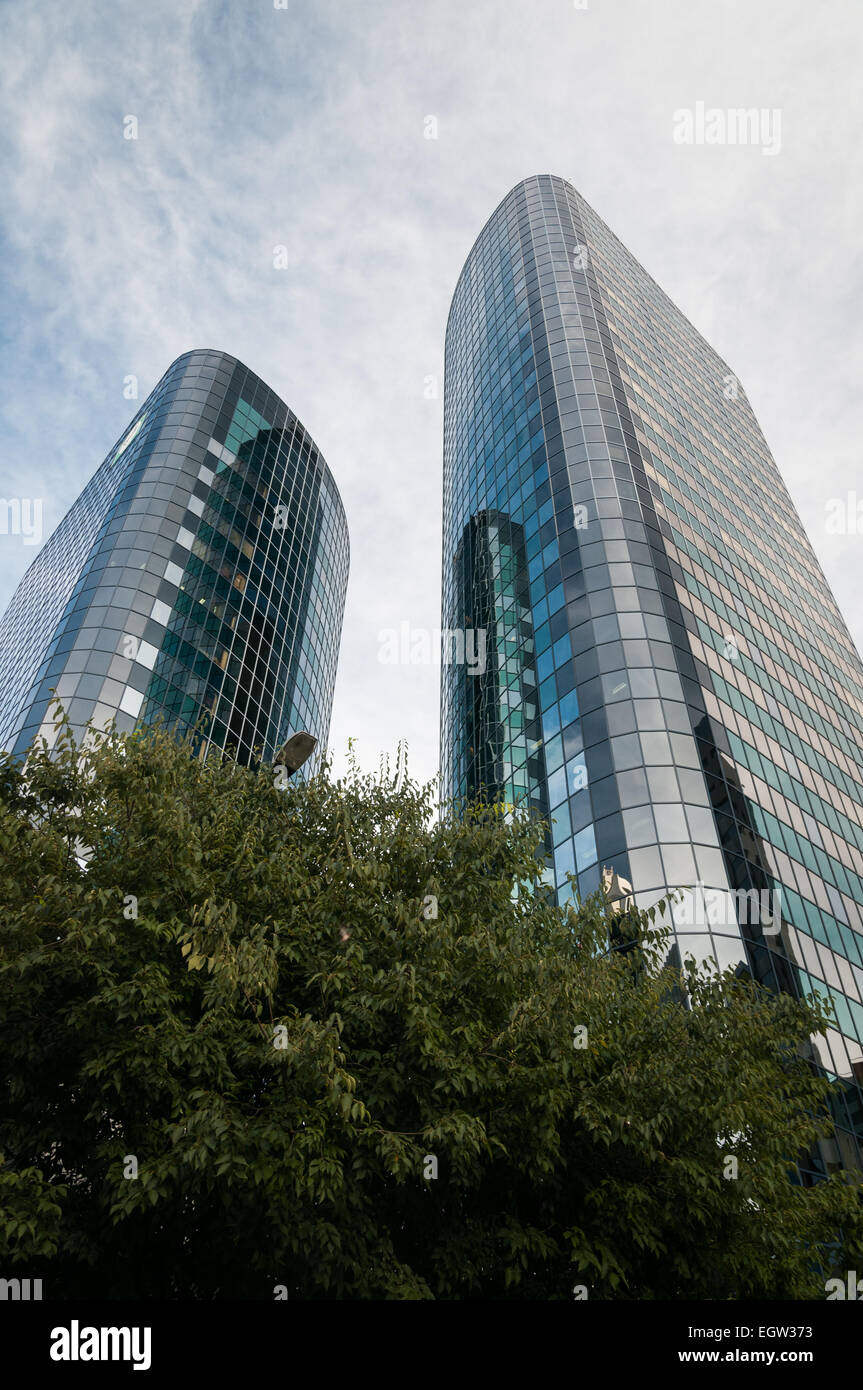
{"x":310,"y":1043}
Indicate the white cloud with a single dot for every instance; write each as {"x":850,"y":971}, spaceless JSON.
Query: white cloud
{"x":304,"y":127}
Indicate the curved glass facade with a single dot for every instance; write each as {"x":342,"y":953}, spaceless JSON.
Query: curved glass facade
{"x":674,"y":673}
{"x":202,"y":571}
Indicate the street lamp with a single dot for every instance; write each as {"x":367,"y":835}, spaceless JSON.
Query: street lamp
{"x":298,"y":749}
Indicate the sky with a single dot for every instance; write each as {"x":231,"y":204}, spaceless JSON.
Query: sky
{"x":306,"y":127}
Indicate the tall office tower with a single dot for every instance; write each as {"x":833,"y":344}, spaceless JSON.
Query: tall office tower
{"x":201,"y":572}
{"x":670,"y":664}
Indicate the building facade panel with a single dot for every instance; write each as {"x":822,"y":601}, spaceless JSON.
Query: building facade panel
{"x":199,"y":579}
{"x":697,"y":711}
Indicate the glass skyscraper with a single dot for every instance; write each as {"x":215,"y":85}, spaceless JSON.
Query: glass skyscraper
{"x":201,"y":572}
{"x":668,"y":675}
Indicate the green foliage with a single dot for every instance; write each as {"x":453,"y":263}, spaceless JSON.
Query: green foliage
{"x":284,"y":1031}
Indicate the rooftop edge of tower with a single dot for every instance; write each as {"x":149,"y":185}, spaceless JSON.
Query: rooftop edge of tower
{"x":516,"y":188}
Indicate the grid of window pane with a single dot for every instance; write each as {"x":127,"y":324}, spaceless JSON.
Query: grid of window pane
{"x":202,"y":571}
{"x":698,"y":702}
